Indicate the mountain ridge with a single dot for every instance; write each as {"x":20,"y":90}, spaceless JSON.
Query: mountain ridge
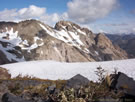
{"x":66,"y":42}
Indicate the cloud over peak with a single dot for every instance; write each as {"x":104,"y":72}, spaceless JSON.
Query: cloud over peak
{"x":32,"y":12}
{"x":86,"y":11}
{"x":81,"y":11}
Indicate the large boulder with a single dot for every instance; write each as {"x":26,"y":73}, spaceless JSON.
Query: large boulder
{"x":121,"y":82}
{"x":77,"y":81}
{"x":8,"y":97}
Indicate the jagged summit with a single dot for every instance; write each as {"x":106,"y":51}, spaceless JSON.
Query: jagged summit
{"x":67,"y":42}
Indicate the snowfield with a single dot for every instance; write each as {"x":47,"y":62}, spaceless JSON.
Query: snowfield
{"x":61,"y":70}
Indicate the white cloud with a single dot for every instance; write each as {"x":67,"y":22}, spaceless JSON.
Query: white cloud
{"x":122,"y":30}
{"x":32,"y":12}
{"x":64,"y":16}
{"x":50,"y":19}
{"x":102,"y":31}
{"x":86,"y":11}
{"x":127,"y":28}
{"x":133,"y":29}
{"x":82,"y":11}
{"x":8,"y":14}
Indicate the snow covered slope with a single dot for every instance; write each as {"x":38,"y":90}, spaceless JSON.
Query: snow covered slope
{"x":8,"y":41}
{"x":58,"y":70}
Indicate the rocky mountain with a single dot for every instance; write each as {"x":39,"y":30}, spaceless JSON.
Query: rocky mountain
{"x":126,"y":42}
{"x":66,"y":42}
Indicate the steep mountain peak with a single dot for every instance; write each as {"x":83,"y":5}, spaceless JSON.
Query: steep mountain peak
{"x":70,"y":26}
{"x":103,"y":41}
{"x":66,"y":24}
{"x":29,"y":21}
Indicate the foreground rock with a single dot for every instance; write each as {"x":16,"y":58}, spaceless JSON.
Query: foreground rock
{"x":8,"y":97}
{"x":77,"y":81}
{"x":121,"y":82}
{"x":4,"y":74}
{"x":76,"y":89}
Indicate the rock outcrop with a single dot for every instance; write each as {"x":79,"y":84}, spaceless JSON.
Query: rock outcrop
{"x":8,"y":97}
{"x":36,"y":90}
{"x":124,"y":83}
{"x":66,"y":42}
{"x":4,"y":74}
{"x":110,"y":51}
{"x":125,"y":42}
{"x":77,"y":81}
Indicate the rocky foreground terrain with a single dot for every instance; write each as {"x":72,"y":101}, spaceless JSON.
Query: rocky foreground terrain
{"x":116,"y":87}
{"x":66,"y":42}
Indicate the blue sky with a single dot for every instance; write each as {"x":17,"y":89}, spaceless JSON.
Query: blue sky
{"x":111,"y":16}
{"x":51,"y":5}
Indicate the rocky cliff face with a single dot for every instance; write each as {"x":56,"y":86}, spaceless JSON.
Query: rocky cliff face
{"x":68,"y":42}
{"x":126,"y":42}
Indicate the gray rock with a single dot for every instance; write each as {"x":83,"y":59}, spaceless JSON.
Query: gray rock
{"x":8,"y":97}
{"x":77,"y":81}
{"x":51,"y":89}
{"x":121,"y":82}
{"x":125,"y":82}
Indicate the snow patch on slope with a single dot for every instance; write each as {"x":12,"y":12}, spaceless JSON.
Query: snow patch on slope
{"x":13,"y":38}
{"x":10,"y":36}
{"x":9,"y":55}
{"x":67,"y":36}
{"x":59,"y":70}
{"x":81,"y":32}
{"x":34,"y":45}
